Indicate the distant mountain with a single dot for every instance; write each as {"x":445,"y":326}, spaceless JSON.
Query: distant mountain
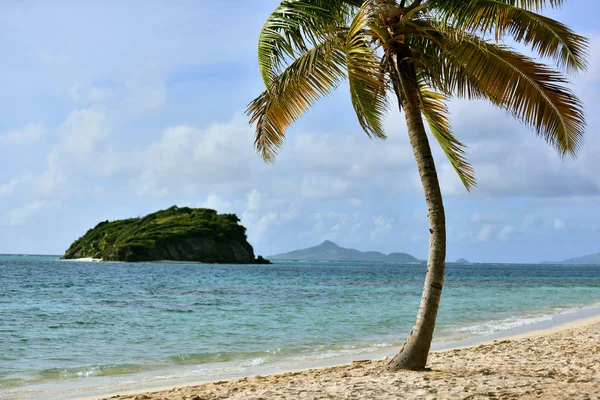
{"x":593,"y":259}
{"x":462,"y":261}
{"x":329,"y":251}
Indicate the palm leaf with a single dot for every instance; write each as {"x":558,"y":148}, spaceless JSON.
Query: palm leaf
{"x":532,"y":92}
{"x":549,"y":38}
{"x":535,"y":5}
{"x":462,"y":64}
{"x":435,"y":111}
{"x":427,"y":44}
{"x":531,"y":5}
{"x":293,"y":27}
{"x":310,"y":77}
{"x":365,"y":75}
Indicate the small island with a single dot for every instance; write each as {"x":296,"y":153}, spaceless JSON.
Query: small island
{"x":176,"y":234}
{"x":462,"y":261}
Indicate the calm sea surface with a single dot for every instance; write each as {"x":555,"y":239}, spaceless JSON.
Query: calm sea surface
{"x":65,"y":326}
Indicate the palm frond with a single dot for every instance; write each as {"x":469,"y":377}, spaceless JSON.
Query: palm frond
{"x":450,"y":78}
{"x":462,"y":64}
{"x":313,"y":75}
{"x":532,"y":92}
{"x":536,"y":5}
{"x":365,"y":75}
{"x":293,"y":27}
{"x":549,"y":38}
{"x":532,"y":5}
{"x":435,"y":110}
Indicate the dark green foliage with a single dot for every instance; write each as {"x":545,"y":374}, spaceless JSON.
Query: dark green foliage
{"x":167,"y":234}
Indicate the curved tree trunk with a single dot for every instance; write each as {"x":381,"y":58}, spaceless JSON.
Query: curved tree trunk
{"x":413,"y":354}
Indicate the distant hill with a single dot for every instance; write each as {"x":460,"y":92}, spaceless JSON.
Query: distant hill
{"x":462,"y":261}
{"x":329,"y":251}
{"x":592,"y":259}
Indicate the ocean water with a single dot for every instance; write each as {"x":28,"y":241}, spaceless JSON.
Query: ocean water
{"x":70,"y":329}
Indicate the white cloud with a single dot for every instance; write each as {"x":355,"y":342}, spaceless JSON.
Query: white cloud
{"x":91,"y":94}
{"x":19,"y":216}
{"x":354,"y":155}
{"x":51,"y":182}
{"x":31,"y":133}
{"x":188,"y":159}
{"x":318,"y":166}
{"x":215,"y":202}
{"x":147,"y":90}
{"x":80,"y":151}
{"x":505,"y":232}
{"x":167,"y":159}
{"x":253,"y":200}
{"x":332,"y":226}
{"x":320,"y":187}
{"x":262,"y":218}
{"x":356,"y":202}
{"x":559,"y":225}
{"x":145,"y":185}
{"x":382,"y":226}
{"x":484,"y":233}
{"x":82,"y":131}
{"x":509,"y":160}
{"x":9,"y":188}
{"x":485,"y":218}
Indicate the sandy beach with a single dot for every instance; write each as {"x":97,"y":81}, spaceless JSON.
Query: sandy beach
{"x":559,"y":363}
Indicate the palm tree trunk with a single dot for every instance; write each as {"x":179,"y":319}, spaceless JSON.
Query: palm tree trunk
{"x":413,"y":354}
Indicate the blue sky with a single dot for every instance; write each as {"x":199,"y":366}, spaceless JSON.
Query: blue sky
{"x":118,"y":109}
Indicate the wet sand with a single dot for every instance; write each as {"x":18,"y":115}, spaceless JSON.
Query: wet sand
{"x":558,"y":363}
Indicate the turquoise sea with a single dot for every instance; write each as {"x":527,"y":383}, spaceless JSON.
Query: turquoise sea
{"x":70,"y":329}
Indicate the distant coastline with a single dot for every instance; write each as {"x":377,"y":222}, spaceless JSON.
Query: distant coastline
{"x":590,"y":259}
{"x":332,"y":252}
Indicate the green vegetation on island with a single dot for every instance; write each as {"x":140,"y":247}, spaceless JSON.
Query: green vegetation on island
{"x":175,"y":234}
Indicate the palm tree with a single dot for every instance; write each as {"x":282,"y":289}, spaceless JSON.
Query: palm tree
{"x":423,"y":52}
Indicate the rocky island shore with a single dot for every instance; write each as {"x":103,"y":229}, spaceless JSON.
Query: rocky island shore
{"x":176,"y":234}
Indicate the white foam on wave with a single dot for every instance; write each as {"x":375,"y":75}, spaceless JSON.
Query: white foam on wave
{"x":274,"y":351}
{"x":491,"y":327}
{"x":86,"y":373}
{"x":254,"y":362}
{"x":494,"y":326}
{"x":82,"y":259}
{"x":382,"y":345}
{"x":349,"y":351}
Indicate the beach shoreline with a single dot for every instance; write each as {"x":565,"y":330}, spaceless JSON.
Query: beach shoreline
{"x":504,"y":347}
{"x":328,"y":370}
